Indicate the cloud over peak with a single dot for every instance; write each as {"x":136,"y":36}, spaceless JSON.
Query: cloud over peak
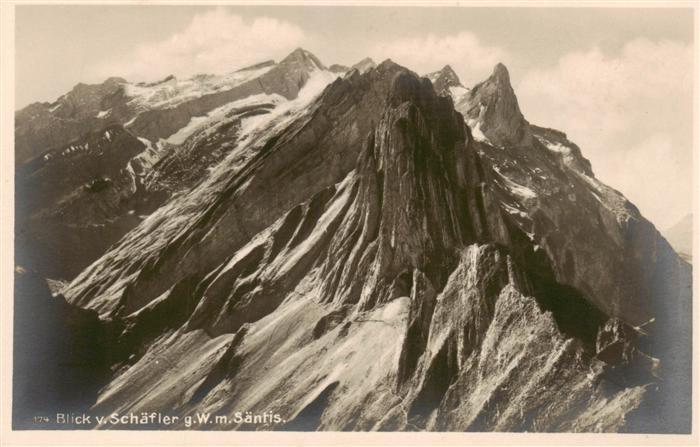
{"x":215,"y":41}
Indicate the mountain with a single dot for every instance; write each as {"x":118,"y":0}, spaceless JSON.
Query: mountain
{"x":447,"y":83}
{"x":42,"y":126}
{"x":364,"y":65}
{"x":680,"y":236}
{"x":385,"y":251}
{"x":155,"y":110}
{"x":92,"y":165}
{"x":492,"y":110}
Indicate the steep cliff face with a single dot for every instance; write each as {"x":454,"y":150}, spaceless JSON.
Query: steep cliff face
{"x":365,"y":257}
{"x":492,"y":111}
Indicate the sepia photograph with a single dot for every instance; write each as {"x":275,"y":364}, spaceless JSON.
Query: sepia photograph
{"x":293,"y":218}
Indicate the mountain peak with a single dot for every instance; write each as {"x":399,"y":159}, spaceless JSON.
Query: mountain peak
{"x":493,"y":106}
{"x":448,"y":71}
{"x":304,"y":57}
{"x":299,"y":52}
{"x":500,"y":73}
{"x":115,"y":80}
{"x":444,"y":79}
{"x":364,"y":65}
{"x":387,"y":63}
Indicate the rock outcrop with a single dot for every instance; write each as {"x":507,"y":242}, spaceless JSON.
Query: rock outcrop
{"x":492,"y":110}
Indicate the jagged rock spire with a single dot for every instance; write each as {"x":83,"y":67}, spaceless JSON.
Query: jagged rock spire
{"x":500,"y":73}
{"x":493,"y":106}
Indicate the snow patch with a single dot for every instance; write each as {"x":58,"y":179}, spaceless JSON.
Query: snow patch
{"x":131,"y":121}
{"x":514,"y":211}
{"x":457,"y":93}
{"x":217,"y":115}
{"x":181,"y":135}
{"x":564,"y":151}
{"x":176,"y":91}
{"x":520,"y":190}
{"x":516,"y":188}
{"x":558,"y":148}
{"x":146,"y":142}
{"x":475,"y":126}
{"x":478,"y":135}
{"x":318,"y":80}
{"x":103,"y":113}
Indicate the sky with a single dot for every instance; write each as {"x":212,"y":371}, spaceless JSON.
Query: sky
{"x":618,"y":81}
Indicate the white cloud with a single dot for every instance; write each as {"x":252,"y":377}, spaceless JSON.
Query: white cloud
{"x":471,"y":59}
{"x":631,"y":114}
{"x":214,"y":42}
{"x":653,"y":176}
